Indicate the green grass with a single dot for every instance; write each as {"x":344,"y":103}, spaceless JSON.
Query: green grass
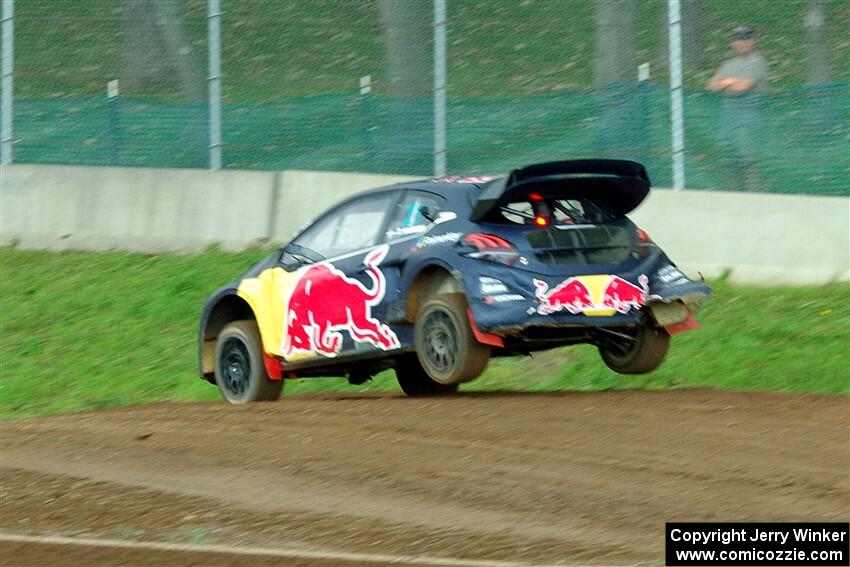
{"x":83,"y":331}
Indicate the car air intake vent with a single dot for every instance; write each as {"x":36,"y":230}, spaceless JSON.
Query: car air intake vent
{"x":580,"y":245}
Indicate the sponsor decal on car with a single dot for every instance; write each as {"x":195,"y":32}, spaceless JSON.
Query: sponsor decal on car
{"x":489,"y":286}
{"x":406,"y":231}
{"x":594,"y":296}
{"x":670,"y":275}
{"x":461,"y":179}
{"x":447,"y":238}
{"x":503,"y":298}
{"x":325,"y":302}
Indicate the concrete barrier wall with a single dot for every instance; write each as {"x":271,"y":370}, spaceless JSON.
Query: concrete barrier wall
{"x":149,"y":210}
{"x":759,"y":238}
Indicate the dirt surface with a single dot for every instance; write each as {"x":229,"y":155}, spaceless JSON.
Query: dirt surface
{"x":535,"y":478}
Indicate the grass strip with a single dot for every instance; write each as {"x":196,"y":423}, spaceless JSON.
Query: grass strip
{"x":82,"y":331}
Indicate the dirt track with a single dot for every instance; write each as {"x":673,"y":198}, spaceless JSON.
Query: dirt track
{"x":539,"y":478}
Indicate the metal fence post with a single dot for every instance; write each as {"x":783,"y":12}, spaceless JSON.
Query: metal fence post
{"x":677,"y":122}
{"x":7,"y":16}
{"x":214,"y":80}
{"x":440,"y":151}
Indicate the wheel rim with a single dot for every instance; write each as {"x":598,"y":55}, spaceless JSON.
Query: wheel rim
{"x":440,"y":344}
{"x":235,"y":364}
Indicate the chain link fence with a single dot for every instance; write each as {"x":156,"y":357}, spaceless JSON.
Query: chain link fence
{"x":348,"y":85}
{"x":110,"y":83}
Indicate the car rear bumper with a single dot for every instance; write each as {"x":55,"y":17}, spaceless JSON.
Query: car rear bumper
{"x":516,"y":303}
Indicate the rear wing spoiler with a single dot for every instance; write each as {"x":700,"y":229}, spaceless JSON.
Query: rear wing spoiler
{"x":617,"y":186}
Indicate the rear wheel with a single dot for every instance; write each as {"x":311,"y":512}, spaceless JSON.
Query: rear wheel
{"x":414,"y":381}
{"x":239,"y":370}
{"x":445,"y":344}
{"x":644,"y":352}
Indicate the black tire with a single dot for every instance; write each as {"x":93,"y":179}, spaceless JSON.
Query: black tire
{"x":239,"y":370}
{"x":414,"y":381}
{"x":445,"y":345}
{"x":645,"y":354}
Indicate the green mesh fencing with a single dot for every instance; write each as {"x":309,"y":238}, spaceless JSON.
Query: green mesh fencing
{"x":528,"y":81}
{"x":66,"y":53}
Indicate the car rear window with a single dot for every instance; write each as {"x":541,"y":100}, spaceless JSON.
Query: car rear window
{"x":559,"y":212}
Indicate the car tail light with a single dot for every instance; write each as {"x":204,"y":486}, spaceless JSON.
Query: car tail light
{"x":490,"y":248}
{"x":644,"y":246}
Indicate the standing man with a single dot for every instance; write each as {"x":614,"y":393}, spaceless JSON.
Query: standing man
{"x":740,"y":80}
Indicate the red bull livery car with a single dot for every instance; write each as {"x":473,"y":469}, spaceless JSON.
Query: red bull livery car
{"x":432,"y":278}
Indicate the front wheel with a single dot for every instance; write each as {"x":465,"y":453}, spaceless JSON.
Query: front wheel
{"x":445,"y":344}
{"x":644,"y":352}
{"x":239,"y":370}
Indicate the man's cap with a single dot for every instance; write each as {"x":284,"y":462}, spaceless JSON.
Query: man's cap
{"x":742,"y":32}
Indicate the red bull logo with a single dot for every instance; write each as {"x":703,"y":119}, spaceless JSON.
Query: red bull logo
{"x":571,"y":294}
{"x":325,"y":303}
{"x":592,"y":295}
{"x":622,"y":296}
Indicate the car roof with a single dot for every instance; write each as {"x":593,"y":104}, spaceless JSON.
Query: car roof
{"x":446,"y":186}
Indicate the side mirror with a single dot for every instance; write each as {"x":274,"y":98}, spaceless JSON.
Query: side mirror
{"x":302,"y":253}
{"x":286,"y":260}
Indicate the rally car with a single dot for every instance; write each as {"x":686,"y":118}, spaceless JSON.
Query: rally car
{"x":432,"y":278}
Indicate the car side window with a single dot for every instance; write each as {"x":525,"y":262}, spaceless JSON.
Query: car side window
{"x":413,"y":214}
{"x":351,"y":227}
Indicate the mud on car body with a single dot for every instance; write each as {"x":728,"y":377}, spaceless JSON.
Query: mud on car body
{"x":432,"y":278}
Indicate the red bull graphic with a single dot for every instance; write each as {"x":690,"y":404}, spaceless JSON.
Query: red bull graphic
{"x":622,"y":296}
{"x":586,"y":295}
{"x":326,"y":302}
{"x":571,"y":294}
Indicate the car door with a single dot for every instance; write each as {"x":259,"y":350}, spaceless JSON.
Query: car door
{"x":332,"y":283}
